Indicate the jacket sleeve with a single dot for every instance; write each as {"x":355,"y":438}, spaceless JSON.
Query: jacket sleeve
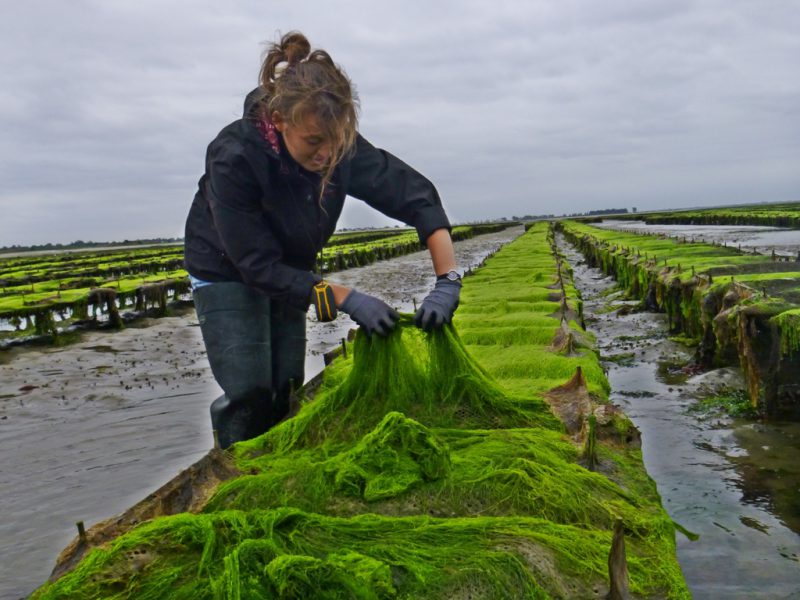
{"x":234,"y":197}
{"x":389,"y":185}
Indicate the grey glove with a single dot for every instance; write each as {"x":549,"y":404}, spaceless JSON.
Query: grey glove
{"x":373,"y":314}
{"x":438,"y":306}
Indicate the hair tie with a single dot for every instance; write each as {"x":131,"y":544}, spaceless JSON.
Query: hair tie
{"x":284,"y":66}
{"x":280,"y":68}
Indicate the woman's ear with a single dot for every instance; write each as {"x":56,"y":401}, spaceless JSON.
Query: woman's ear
{"x":278,"y":121}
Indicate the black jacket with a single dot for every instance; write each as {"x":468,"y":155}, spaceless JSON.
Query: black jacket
{"x":256,"y":217}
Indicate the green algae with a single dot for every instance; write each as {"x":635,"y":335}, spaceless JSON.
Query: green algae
{"x":413,"y":473}
{"x":734,"y":403}
{"x":288,"y":553}
{"x":789,"y":324}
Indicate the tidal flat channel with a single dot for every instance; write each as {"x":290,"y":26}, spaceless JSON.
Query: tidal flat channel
{"x":736,"y":483}
{"x":89,"y":429}
{"x":750,"y":238}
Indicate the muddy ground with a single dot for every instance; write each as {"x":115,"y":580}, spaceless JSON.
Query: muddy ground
{"x":89,"y":429}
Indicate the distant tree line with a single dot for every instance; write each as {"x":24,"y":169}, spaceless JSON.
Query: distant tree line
{"x":591,"y":213}
{"x":80,"y":244}
{"x":602,"y":211}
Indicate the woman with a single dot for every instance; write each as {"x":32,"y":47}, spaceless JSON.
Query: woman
{"x":274,"y":185}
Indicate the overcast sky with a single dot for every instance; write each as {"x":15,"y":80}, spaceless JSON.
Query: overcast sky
{"x":511,"y":108}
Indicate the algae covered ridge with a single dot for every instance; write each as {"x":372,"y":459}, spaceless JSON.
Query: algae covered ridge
{"x":45,"y":295}
{"x":739,"y":308}
{"x":771,"y":215}
{"x":482,"y":461}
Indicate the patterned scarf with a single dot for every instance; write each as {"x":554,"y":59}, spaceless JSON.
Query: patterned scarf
{"x":269,"y":132}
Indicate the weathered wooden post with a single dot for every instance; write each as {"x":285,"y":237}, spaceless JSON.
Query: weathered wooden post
{"x":618,"y":565}
{"x":81,"y":532}
{"x":590,"y":446}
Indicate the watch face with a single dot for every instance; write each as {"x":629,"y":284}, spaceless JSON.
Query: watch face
{"x":450,"y":276}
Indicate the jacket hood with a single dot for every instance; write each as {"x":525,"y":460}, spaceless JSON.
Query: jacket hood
{"x":251,"y":100}
{"x":251,"y":117}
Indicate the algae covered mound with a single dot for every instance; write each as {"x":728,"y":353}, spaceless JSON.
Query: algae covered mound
{"x":771,"y":215}
{"x":738,"y":307}
{"x":412,"y":473}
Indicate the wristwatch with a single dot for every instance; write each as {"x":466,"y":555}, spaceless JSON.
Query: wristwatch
{"x":450,"y":276}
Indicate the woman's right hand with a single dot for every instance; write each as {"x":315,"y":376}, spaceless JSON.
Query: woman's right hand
{"x":371,"y":313}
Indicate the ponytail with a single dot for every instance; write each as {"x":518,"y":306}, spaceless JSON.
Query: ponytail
{"x":292,"y":48}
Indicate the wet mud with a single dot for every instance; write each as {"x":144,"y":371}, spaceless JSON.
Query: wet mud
{"x":89,"y":429}
{"x":736,"y":483}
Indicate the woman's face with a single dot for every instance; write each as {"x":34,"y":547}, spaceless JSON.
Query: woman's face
{"x":305,"y":142}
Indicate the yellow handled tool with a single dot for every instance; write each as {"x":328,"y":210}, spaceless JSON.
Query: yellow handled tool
{"x":322,"y":297}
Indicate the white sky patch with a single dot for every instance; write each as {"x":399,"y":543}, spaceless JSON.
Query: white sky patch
{"x":510,"y":108}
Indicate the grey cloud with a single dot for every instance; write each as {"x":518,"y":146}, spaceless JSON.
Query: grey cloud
{"x":509,"y":107}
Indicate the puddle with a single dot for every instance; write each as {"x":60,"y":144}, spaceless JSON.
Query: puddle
{"x":102,"y":348}
{"x":734,"y":482}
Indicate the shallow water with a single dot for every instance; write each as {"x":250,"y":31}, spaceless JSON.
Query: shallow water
{"x":734,"y":482}
{"x":89,"y":429}
{"x":763,"y":240}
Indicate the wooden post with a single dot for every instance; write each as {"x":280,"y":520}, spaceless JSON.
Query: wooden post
{"x":590,"y":446}
{"x":618,"y":565}
{"x":216,"y":440}
{"x":344,"y":347}
{"x":81,"y":532}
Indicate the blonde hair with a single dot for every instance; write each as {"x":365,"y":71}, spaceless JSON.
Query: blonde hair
{"x":298,"y":82}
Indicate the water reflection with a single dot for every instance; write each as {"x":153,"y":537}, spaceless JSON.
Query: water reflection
{"x":769,"y":468}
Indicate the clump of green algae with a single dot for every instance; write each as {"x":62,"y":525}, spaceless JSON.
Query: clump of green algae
{"x":412,"y":474}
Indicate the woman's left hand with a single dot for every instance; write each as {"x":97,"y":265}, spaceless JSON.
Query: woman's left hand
{"x":438,"y":306}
